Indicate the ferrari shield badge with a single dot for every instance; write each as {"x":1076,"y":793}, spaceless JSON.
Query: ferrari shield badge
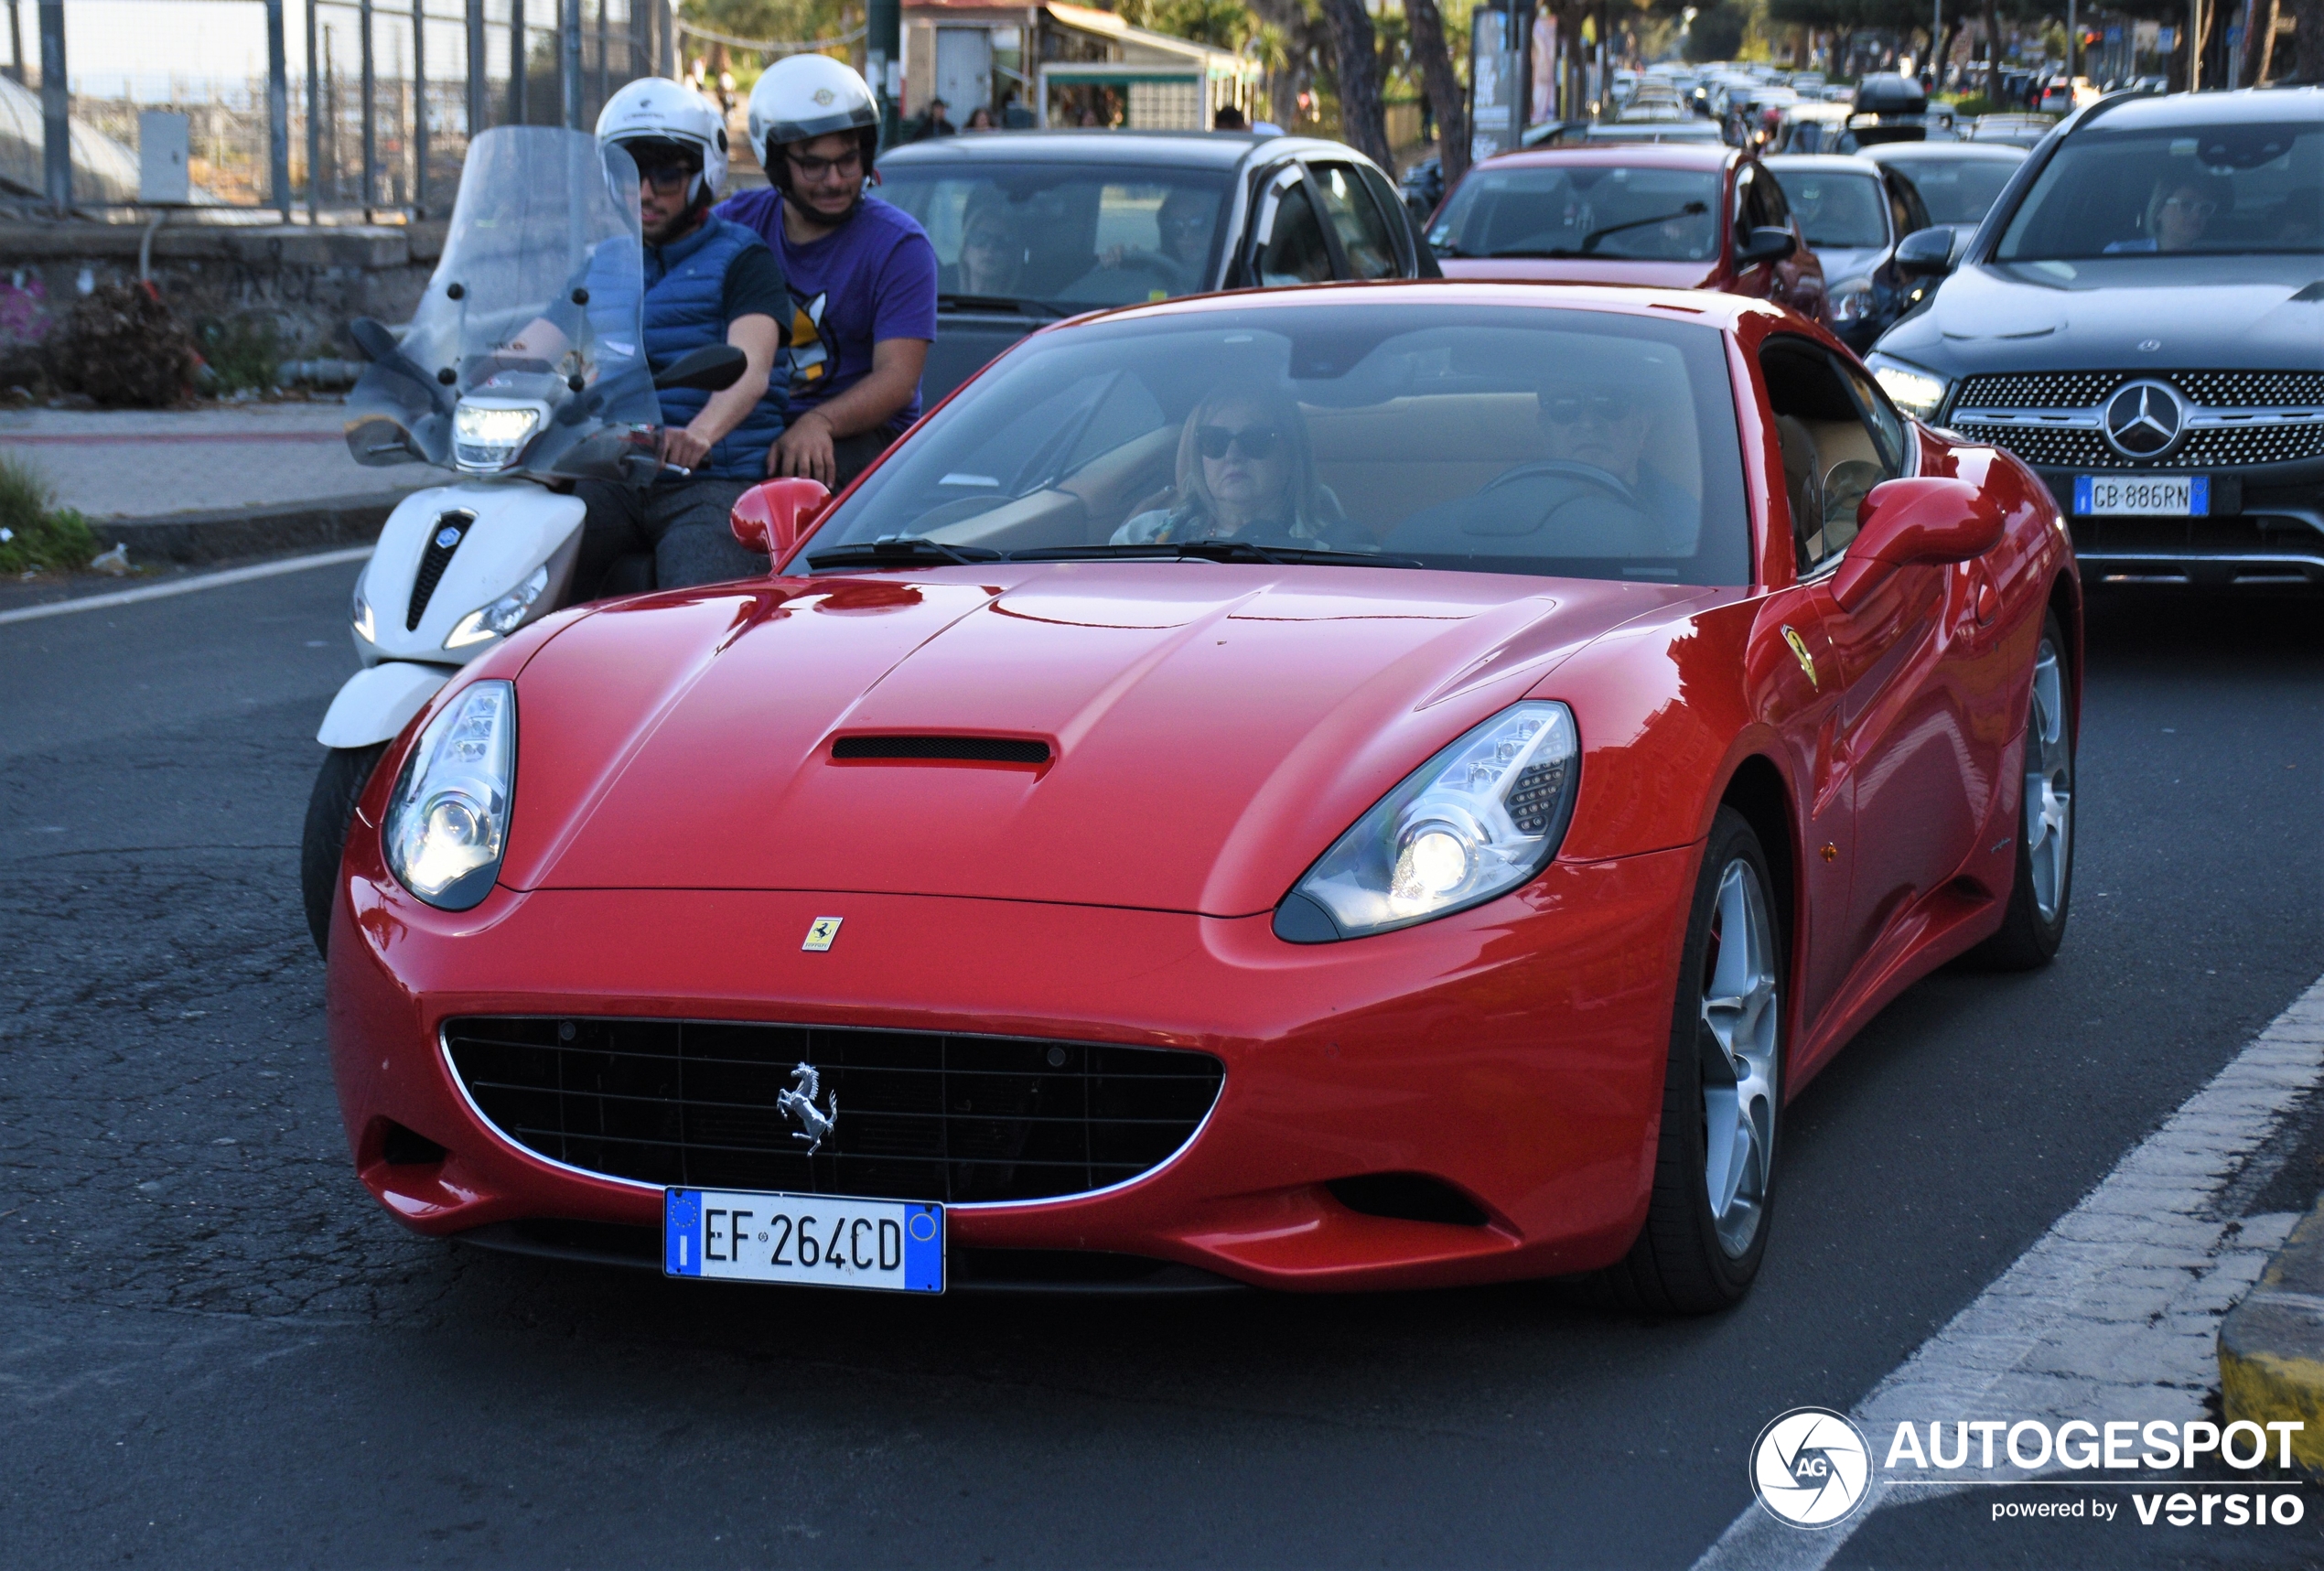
{"x":1790,"y":636}
{"x":822,"y":929}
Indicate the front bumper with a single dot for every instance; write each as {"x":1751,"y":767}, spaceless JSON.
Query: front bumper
{"x":1514,"y":1053}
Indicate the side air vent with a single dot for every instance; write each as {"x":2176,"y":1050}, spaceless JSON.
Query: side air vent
{"x":958,"y":750}
{"x":445,"y":539}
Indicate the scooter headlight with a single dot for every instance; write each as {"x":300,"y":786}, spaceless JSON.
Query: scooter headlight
{"x":503,"y":615}
{"x":366,"y":627}
{"x":447,"y":824}
{"x":487,"y":437}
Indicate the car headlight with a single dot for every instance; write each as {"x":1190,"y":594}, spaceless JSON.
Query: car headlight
{"x":1851,"y":303}
{"x":488,"y":437}
{"x":503,"y":615}
{"x":1481,"y":818}
{"x":447,"y":824}
{"x":366,"y":629}
{"x":1915,"y":392}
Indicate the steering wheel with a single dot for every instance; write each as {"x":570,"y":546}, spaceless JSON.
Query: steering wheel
{"x":1590,"y":475}
{"x":1158,"y":267}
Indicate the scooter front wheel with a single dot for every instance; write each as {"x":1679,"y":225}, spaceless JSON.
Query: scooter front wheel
{"x":346,"y":771}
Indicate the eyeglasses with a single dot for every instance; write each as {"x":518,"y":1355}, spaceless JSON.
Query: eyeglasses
{"x":2195,"y":207}
{"x":667,"y":179}
{"x":816,"y":169}
{"x":1568,"y":408}
{"x":1184,"y":223}
{"x":1250,"y":442}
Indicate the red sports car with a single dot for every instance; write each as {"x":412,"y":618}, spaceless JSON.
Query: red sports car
{"x":1676,"y":216}
{"x":1369,"y":786}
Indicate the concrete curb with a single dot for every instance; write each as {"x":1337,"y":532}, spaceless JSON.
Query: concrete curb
{"x":198,"y":539}
{"x":2271,"y":1346}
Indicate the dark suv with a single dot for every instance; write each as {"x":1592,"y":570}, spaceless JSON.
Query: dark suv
{"x":2141,"y":318}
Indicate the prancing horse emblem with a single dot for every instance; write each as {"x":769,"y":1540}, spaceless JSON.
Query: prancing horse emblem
{"x":1799,"y":652}
{"x":815,"y":1124}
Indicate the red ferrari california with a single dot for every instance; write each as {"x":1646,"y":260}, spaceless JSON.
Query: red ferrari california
{"x":1372,"y":786}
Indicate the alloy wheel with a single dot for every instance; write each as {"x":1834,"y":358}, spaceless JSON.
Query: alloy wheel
{"x":2050,"y":785}
{"x":1738,"y":1045}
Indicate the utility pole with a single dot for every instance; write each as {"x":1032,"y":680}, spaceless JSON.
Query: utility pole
{"x":569,"y":64}
{"x":314,"y":118}
{"x":884,"y":63}
{"x":419,"y":109}
{"x":480,"y":85}
{"x":56,"y":126}
{"x":278,"y":109}
{"x":371,"y":120}
{"x":516,"y":62}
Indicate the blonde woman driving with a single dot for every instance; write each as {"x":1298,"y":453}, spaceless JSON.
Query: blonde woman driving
{"x":1245,"y":471}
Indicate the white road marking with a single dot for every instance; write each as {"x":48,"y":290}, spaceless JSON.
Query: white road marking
{"x":187,"y":586}
{"x":2114,"y":1313}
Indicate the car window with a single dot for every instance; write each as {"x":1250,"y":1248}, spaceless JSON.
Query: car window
{"x":1069,"y":235}
{"x":1904,"y":205}
{"x":1465,"y":436}
{"x":1839,"y":439}
{"x":1581,"y":209}
{"x":2129,"y":191}
{"x":1956,"y":190}
{"x":1296,"y":251}
{"x":1836,"y":209}
{"x":1363,"y":228}
{"x":1400,"y":227}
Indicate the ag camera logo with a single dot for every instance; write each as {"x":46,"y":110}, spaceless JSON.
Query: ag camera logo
{"x":1809,"y":1467}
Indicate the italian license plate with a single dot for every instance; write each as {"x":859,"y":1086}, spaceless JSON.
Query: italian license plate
{"x":2152,"y":496}
{"x":808,"y":1241}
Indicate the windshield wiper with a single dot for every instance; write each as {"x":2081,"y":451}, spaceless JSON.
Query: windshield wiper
{"x":897,"y":550}
{"x":1534,"y":255}
{"x":1006,"y":304}
{"x":1218,"y":551}
{"x":1692,"y":209}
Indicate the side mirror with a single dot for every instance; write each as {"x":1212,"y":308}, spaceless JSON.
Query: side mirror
{"x":1769,"y":244}
{"x":373,"y":337}
{"x":713,"y":368}
{"x":1926,"y":253}
{"x":1927,"y":521}
{"x":772,"y":517}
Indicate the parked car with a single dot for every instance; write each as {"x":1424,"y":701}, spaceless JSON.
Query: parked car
{"x":1957,"y":182}
{"x":1853,"y":213}
{"x":1678,"y":217}
{"x":1037,"y":225}
{"x":2136,"y":319}
{"x":1444,"y":874}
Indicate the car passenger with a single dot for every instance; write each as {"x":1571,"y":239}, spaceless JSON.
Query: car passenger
{"x":1245,"y":471}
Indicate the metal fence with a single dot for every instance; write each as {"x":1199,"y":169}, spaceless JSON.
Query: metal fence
{"x":364,"y":108}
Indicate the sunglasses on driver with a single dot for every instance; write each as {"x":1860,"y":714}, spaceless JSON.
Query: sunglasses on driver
{"x":1250,"y":442}
{"x":1606,"y":406}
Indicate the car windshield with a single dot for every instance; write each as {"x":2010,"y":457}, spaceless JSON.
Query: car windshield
{"x":1843,"y":212}
{"x":1488,"y":438}
{"x":1956,"y":190}
{"x":1070,"y":236}
{"x":2217,"y":189}
{"x":1582,"y":210}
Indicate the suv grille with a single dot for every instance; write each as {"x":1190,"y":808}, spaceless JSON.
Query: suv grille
{"x":921,"y":1115}
{"x":2297,"y":395}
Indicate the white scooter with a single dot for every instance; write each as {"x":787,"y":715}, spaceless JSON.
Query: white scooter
{"x":523,"y":371}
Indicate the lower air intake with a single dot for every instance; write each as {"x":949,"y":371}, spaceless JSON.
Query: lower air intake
{"x":920,"y":1115}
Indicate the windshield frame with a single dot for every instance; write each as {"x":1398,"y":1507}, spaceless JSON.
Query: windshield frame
{"x":1709,"y":372}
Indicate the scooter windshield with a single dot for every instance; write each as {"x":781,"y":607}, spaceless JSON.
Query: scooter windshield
{"x":527,"y":353}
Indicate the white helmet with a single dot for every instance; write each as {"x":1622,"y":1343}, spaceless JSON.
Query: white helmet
{"x":654,"y":109}
{"x":805,"y":96}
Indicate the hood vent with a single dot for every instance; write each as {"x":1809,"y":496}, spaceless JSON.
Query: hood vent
{"x":945,"y":750}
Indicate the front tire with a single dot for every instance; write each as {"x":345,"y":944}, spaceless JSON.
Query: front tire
{"x":2034,"y":923}
{"x":346,"y":771}
{"x":1707,"y":1223}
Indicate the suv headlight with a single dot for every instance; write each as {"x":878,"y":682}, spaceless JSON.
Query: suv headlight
{"x":490,"y":437}
{"x":1915,"y":392}
{"x":447,"y":824}
{"x":1481,"y":818}
{"x":503,"y":615}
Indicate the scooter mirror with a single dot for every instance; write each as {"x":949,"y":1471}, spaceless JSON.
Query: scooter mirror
{"x":373,"y":337}
{"x":772,"y":517}
{"x":713,"y":368}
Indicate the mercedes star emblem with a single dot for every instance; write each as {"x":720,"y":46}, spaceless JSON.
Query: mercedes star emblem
{"x":2144,"y":419}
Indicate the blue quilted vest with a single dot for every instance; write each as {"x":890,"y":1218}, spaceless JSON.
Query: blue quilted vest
{"x":685,"y":285}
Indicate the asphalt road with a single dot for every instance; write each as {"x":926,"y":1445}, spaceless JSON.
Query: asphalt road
{"x":215,"y":1350}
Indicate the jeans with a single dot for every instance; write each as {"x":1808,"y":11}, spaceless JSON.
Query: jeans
{"x":683,"y":523}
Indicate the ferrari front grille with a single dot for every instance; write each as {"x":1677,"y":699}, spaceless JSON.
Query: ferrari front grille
{"x":917,"y":1115}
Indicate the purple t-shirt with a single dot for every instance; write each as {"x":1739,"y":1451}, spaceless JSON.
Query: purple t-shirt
{"x":872,"y":278}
